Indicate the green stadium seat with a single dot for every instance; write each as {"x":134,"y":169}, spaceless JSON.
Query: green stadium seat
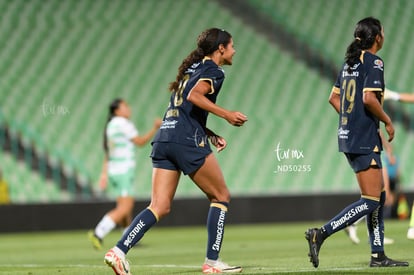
{"x":64,"y":61}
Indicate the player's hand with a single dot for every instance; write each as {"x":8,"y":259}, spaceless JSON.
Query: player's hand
{"x":219,"y":142}
{"x":390,"y":131}
{"x":236,"y":118}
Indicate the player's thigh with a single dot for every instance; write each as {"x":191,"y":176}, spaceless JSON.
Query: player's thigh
{"x":209,"y":178}
{"x":371,"y":182}
{"x":368,"y":170}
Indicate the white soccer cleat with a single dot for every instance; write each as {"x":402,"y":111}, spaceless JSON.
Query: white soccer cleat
{"x":351,"y":231}
{"x":388,"y":240}
{"x":410,"y":233}
{"x":218,"y":267}
{"x":117,"y":262}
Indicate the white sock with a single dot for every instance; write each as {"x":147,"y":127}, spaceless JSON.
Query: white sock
{"x":104,"y":227}
{"x":118,"y":251}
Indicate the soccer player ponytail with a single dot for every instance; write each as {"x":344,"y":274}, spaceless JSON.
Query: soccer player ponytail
{"x":364,"y":37}
{"x":207,"y":42}
{"x":112,"y":108}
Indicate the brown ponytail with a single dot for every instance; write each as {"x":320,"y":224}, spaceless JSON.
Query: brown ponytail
{"x":207,"y":42}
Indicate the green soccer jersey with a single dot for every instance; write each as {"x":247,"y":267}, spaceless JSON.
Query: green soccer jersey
{"x":121,"y":154}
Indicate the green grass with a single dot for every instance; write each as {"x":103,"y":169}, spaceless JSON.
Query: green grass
{"x":261,"y":249}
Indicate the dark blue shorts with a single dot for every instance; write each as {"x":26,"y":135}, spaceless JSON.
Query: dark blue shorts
{"x":360,"y":162}
{"x":174,"y":156}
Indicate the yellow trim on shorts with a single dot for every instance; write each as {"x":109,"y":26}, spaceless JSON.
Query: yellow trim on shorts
{"x":219,"y":205}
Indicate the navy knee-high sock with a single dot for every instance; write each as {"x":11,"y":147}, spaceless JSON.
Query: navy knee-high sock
{"x":215,"y":227}
{"x":350,"y":214}
{"x":375,"y":224}
{"x":141,"y":223}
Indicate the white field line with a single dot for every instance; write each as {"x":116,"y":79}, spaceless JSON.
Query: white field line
{"x":245,"y":269}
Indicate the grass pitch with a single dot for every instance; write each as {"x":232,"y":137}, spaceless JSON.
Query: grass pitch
{"x":278,"y":248}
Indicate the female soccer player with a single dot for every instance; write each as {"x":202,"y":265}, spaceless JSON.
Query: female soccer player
{"x":404,"y":97}
{"x":181,"y":145}
{"x":357,"y":96}
{"x":120,"y":136}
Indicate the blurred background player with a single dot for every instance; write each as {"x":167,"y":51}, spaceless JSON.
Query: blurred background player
{"x":410,"y":232}
{"x":182,"y":145}
{"x":357,"y":97}
{"x":405,"y":98}
{"x":117,"y":176}
{"x":4,"y":190}
{"x":391,"y":180}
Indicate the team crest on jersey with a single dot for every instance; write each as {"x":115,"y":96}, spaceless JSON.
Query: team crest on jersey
{"x":354,"y":67}
{"x":378,"y":64}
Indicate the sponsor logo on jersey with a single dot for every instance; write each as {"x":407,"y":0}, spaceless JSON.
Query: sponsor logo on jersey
{"x":168,"y":124}
{"x":343,"y":134}
{"x":192,"y":68}
{"x":353,"y":73}
{"x":378,"y":64}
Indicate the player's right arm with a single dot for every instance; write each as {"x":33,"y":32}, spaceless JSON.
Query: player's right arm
{"x":335,"y":96}
{"x":335,"y":99}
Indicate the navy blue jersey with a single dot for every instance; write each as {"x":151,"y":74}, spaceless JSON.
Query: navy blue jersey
{"x":358,"y":130}
{"x":183,"y":122}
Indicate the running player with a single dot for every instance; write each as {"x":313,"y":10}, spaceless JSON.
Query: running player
{"x":357,"y":96}
{"x":120,"y":136}
{"x":182,"y":145}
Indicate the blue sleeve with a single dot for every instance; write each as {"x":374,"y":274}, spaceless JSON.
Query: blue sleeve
{"x":215,"y":76}
{"x":375,"y":74}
